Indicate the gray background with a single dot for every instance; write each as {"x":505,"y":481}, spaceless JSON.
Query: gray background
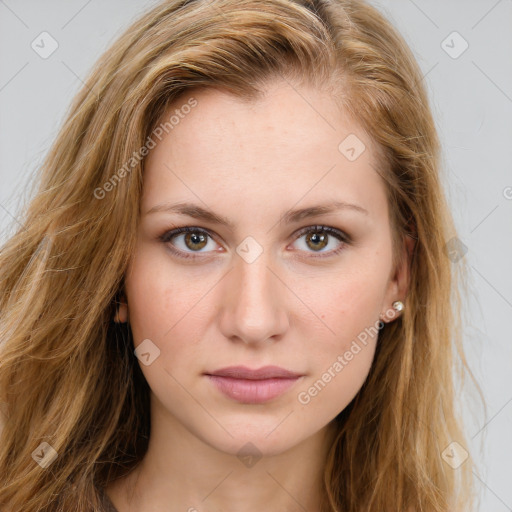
{"x":471,"y":97}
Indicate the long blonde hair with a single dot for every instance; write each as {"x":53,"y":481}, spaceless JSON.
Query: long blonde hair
{"x":67,"y":373}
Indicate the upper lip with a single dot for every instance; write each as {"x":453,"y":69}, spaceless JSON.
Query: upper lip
{"x":265,"y":372}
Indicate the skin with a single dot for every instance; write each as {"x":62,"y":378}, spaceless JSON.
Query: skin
{"x":298,"y":305}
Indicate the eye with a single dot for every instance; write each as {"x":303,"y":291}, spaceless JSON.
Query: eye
{"x":319,"y":237}
{"x":193,"y":240}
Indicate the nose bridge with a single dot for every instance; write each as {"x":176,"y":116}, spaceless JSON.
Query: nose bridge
{"x":254,"y":310}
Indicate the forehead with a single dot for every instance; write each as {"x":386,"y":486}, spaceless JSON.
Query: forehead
{"x":292,"y":142}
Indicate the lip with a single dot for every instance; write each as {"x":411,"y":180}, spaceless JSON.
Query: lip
{"x":253,"y":386}
{"x":265,"y":372}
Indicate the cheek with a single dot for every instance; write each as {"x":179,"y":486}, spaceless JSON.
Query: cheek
{"x":163,"y":305}
{"x":349,"y":304}
{"x":146,"y":292}
{"x":148,"y":288}
{"x":342,"y":356}
{"x":341,"y":360}
{"x":162,"y":308}
{"x":335,"y":385}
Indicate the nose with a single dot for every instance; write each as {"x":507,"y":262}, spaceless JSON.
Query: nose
{"x":253,"y":306}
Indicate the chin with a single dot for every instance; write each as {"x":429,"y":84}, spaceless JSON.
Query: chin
{"x":264,"y":437}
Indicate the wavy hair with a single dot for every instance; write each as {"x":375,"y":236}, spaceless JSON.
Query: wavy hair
{"x":67,"y":372}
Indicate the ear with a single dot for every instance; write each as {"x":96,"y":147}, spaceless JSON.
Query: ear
{"x":121,"y":315}
{"x":398,"y":285}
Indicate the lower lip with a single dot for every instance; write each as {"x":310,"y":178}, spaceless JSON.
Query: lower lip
{"x":252,"y":391}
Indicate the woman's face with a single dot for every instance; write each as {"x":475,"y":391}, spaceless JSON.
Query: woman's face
{"x":273,"y":284}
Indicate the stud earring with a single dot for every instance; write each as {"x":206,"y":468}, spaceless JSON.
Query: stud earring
{"x":398,"y":305}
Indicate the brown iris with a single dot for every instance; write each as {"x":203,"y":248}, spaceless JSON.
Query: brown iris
{"x":319,"y":241}
{"x":197,"y":240}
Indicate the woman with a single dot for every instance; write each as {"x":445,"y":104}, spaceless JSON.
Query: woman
{"x":232,"y":290}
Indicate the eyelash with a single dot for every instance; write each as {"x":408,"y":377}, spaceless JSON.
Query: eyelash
{"x":340,"y":235}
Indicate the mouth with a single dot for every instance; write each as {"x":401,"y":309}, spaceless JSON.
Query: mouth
{"x":256,"y":386}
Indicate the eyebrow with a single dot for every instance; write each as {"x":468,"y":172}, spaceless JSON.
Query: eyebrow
{"x":290,"y":216}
